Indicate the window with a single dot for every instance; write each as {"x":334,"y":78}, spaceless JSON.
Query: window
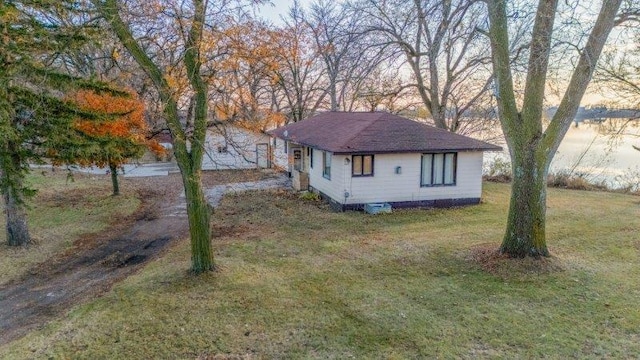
{"x":286,"y":147}
{"x":362,"y":165}
{"x":326,"y":165}
{"x":310,"y":154}
{"x":438,"y":169}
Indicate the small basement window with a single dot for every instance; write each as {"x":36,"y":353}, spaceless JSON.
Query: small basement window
{"x":362,"y":165}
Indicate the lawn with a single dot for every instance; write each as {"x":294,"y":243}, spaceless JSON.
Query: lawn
{"x":298,"y":281}
{"x":63,"y":210}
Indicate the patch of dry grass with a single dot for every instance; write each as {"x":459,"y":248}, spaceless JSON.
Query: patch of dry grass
{"x":216,"y":177}
{"x":298,"y":281}
{"x":489,"y":258}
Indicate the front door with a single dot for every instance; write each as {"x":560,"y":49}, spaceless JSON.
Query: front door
{"x":297,"y":159}
{"x":262,"y":154}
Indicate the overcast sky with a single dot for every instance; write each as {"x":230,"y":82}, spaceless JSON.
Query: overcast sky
{"x":279,"y":7}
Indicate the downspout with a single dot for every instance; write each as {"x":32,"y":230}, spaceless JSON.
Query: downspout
{"x":345,"y":176}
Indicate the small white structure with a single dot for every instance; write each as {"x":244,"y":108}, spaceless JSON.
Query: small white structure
{"x":229,"y":146}
{"x":356,"y":158}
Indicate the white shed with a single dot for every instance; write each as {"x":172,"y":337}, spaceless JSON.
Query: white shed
{"x":228,"y":146}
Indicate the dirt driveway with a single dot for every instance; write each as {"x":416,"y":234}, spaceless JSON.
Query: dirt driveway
{"x":98,"y":261}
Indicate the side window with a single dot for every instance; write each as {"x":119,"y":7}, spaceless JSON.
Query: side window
{"x":326,"y":165}
{"x":438,"y":169}
{"x":362,"y":165}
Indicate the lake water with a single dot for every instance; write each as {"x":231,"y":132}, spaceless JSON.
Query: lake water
{"x":590,"y":150}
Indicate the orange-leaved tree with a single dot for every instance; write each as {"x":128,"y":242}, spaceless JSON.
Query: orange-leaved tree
{"x":245,"y":63}
{"x":111,"y":142}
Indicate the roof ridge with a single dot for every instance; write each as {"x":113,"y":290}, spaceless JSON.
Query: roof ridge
{"x":352,"y":132}
{"x":375,"y":120}
{"x":355,"y":112}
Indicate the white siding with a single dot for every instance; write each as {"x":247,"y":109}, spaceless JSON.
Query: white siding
{"x":334,"y":187}
{"x":240,"y":145}
{"x":280,"y":157}
{"x":387,"y":186}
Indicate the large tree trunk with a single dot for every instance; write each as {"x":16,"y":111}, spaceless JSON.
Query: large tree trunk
{"x":114,"y":178}
{"x":525,"y":233}
{"x":531,"y":147}
{"x":188,"y":149}
{"x":17,"y":229}
{"x":16,"y":214}
{"x":199,"y":216}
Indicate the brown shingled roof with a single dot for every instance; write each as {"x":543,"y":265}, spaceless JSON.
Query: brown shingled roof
{"x":374,"y":132}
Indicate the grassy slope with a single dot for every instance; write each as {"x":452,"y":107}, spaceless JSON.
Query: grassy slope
{"x":299,"y":281}
{"x":59,"y":214}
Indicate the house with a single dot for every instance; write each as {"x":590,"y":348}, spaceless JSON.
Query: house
{"x":230,"y":146}
{"x":356,"y":158}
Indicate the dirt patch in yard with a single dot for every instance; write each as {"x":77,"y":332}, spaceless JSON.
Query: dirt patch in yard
{"x":95,"y":261}
{"x":220,"y":177}
{"x":492,"y":261}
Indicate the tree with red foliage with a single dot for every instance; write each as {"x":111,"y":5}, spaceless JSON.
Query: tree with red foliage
{"x":110,"y":142}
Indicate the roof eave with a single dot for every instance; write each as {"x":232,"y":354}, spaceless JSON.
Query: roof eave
{"x":413,"y":151}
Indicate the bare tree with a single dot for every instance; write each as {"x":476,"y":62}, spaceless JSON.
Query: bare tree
{"x":385,"y":89}
{"x":167,"y":44}
{"x":443,"y":48}
{"x":346,"y":48}
{"x":299,"y":89}
{"x":619,"y":72}
{"x":531,"y":146}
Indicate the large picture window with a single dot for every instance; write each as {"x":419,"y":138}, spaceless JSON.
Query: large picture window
{"x":438,"y":169}
{"x":326,"y":165}
{"x":362,"y":165}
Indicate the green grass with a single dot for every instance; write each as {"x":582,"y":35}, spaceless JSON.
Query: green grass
{"x":297,"y":281}
{"x":62,"y":211}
